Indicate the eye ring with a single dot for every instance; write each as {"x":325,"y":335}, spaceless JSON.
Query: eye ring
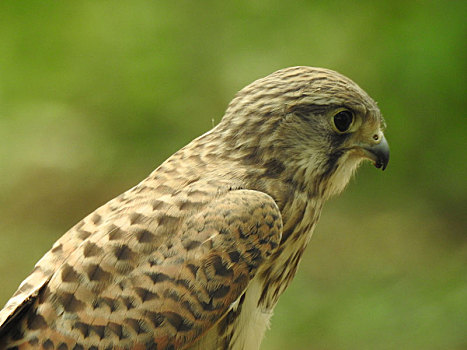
{"x":342,"y":121}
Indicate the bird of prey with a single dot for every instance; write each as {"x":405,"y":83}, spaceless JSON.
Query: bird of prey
{"x":197,"y":255}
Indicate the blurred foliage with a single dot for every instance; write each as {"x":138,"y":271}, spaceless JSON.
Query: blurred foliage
{"x":95,"y":94}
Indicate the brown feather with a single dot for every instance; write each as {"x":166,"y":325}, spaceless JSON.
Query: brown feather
{"x":197,"y":255}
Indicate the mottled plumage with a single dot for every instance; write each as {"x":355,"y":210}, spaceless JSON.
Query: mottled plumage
{"x":197,"y":254}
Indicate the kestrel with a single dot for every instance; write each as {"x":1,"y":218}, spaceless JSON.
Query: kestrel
{"x":197,"y":255}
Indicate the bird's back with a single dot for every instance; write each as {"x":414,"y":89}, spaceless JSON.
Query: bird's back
{"x":125,"y":275}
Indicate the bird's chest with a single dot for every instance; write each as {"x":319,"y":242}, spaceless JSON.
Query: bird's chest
{"x":249,"y":317}
{"x":244,"y":325}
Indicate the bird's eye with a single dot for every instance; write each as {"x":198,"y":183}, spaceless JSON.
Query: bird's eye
{"x":343,"y":120}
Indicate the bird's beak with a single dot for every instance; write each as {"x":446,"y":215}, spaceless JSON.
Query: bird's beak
{"x":378,"y":153}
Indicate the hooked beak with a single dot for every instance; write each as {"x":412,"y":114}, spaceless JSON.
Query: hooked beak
{"x":379,"y":153}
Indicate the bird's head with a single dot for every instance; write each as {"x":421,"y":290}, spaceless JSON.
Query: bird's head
{"x":308,"y":126}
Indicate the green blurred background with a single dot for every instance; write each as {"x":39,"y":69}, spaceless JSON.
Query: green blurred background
{"x":95,"y":94}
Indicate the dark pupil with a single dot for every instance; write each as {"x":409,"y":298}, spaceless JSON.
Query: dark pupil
{"x":342,"y":120}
